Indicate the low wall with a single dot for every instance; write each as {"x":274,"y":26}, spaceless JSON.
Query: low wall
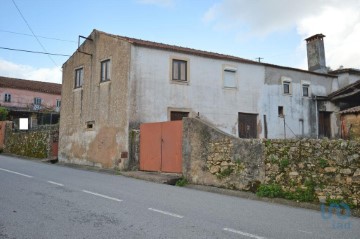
{"x":305,"y":170}
{"x":211,"y":157}
{"x":32,"y":143}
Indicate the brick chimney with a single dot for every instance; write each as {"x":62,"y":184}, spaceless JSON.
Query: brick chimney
{"x":316,"y":53}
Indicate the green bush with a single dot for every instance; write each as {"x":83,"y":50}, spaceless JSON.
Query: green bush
{"x":283,"y":164}
{"x":181,"y":182}
{"x":3,"y":113}
{"x":270,"y":191}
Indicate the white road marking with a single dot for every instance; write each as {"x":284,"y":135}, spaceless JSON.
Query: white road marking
{"x":166,"y":213}
{"x":9,"y":171}
{"x":55,"y":183}
{"x":243,"y":233}
{"x":103,"y":196}
{"x":305,"y":231}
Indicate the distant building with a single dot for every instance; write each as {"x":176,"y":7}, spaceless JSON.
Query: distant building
{"x":38,"y":101}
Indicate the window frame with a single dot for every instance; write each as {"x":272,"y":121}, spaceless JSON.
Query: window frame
{"x":79,"y":81}
{"x":308,"y":86}
{"x":37,"y":101}
{"x":7,"y":98}
{"x":179,"y":61}
{"x":231,"y":69}
{"x":105,"y":66}
{"x":58,"y":103}
{"x":286,"y":81}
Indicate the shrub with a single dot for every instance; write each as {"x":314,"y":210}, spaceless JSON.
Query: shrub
{"x":181,"y":182}
{"x":269,"y":190}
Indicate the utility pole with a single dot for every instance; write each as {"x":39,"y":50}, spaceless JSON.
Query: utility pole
{"x":259,"y":59}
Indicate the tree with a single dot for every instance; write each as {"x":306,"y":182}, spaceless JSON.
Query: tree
{"x":3,"y":113}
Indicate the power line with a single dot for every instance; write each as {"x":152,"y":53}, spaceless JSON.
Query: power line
{"x":22,"y":16}
{"x":37,"y":52}
{"x":49,"y":38}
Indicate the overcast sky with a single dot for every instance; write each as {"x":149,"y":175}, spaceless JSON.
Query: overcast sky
{"x":271,"y":29}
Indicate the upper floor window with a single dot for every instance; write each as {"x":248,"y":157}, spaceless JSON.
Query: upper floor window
{"x":105,"y":70}
{"x":58,"y":103}
{"x":229,"y":77}
{"x":179,"y":70}
{"x":286,"y":85}
{"x":7,"y":98}
{"x":306,"y":89}
{"x":79,"y":77}
{"x":37,"y":101}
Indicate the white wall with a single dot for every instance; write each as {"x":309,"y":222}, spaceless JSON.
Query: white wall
{"x":155,"y":93}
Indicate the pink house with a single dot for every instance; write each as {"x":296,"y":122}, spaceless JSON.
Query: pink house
{"x":36,"y":100}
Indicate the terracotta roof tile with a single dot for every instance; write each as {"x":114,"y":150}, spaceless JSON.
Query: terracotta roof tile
{"x":38,"y":86}
{"x":355,"y":109}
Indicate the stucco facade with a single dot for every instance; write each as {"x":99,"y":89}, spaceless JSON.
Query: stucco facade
{"x":219,"y":89}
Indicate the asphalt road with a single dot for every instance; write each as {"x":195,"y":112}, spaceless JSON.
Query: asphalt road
{"x":40,"y":200}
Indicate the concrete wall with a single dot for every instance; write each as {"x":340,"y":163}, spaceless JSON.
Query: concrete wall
{"x":153,"y":94}
{"x":299,"y":111}
{"x":104,"y":105}
{"x":346,"y":79}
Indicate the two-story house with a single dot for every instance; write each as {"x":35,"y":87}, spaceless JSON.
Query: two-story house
{"x":38,"y":101}
{"x":112,"y":84}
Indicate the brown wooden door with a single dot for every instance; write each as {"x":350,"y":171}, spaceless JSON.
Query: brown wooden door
{"x":324,"y":124}
{"x":161,"y":147}
{"x":247,"y":125}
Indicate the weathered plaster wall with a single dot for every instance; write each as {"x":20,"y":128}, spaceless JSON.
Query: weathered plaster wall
{"x":299,"y":111}
{"x":153,"y":93}
{"x":211,"y":157}
{"x":102,"y":104}
{"x":34,"y":143}
{"x":351,"y":126}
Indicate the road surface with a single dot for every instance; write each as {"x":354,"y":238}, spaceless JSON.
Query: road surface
{"x":39,"y":200}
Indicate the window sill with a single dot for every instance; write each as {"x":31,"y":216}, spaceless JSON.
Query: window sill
{"x":77,"y":89}
{"x":229,"y":88}
{"x":178,"y":82}
{"x":105,"y":82}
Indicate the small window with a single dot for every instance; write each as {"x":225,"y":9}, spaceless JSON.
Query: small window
{"x":79,"y":77}
{"x":179,"y":70}
{"x":305,"y":90}
{"x":58,"y":103}
{"x":229,"y":78}
{"x":7,"y":98}
{"x":105,"y":70}
{"x":90,"y":124}
{"x":178,"y":115}
{"x":37,"y":101}
{"x":281,"y":111}
{"x":286,"y":87}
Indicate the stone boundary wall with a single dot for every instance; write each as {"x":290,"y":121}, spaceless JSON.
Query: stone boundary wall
{"x":211,"y":157}
{"x":31,"y":143}
{"x":326,"y":169}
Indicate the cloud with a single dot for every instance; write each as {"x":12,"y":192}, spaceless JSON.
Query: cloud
{"x":337,"y":19}
{"x":160,"y":3}
{"x":10,"y":69}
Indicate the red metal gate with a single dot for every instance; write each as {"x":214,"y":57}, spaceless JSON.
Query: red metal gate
{"x":161,"y":147}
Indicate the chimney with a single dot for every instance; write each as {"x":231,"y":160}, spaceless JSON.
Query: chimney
{"x":316,"y":53}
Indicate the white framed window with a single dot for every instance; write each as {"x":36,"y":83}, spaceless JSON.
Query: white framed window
{"x":179,"y":70}
{"x":7,"y":97}
{"x":105,"y":70}
{"x":79,"y":77}
{"x":229,"y":77}
{"x":37,"y":101}
{"x":286,"y":85}
{"x":58,"y":103}
{"x":305,"y":88}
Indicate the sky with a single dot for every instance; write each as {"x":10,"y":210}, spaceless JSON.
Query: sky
{"x":273,"y":30}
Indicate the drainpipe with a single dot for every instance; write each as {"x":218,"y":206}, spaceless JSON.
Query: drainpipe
{"x":317,"y":118}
